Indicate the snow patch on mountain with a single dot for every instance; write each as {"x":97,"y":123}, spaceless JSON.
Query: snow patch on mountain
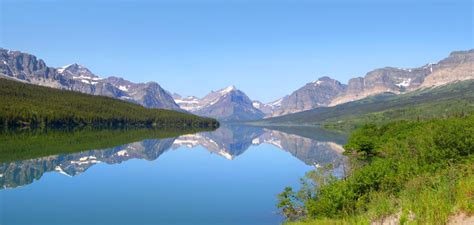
{"x":404,"y":83}
{"x":228,"y":89}
{"x":61,"y":69}
{"x":123,"y":88}
{"x":277,"y":102}
{"x":256,"y":104}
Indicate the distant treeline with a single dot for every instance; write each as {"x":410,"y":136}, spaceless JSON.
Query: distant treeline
{"x":26,"y":105}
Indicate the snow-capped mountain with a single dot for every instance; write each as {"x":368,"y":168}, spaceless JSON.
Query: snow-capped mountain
{"x":269,"y":108}
{"x":190,"y":103}
{"x":27,"y":68}
{"x":227,"y":104}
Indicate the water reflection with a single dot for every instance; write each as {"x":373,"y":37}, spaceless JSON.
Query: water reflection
{"x":310,"y":145}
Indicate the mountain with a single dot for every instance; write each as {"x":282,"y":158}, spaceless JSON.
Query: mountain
{"x":454,"y":99}
{"x":28,"y":68}
{"x":457,"y":67}
{"x":315,"y":94}
{"x":269,"y":108}
{"x":228,"y":104}
{"x":190,"y":103}
{"x":149,"y":94}
{"x":231,"y":104}
{"x":263,"y":107}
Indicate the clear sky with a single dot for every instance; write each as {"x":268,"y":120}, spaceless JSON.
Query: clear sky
{"x":266,"y":48}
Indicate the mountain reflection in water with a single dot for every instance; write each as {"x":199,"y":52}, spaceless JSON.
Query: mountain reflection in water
{"x":312,"y":146}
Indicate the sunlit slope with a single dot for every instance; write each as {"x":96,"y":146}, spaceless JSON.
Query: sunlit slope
{"x":450,"y":100}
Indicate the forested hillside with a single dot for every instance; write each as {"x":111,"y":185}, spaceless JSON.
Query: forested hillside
{"x":26,"y":105}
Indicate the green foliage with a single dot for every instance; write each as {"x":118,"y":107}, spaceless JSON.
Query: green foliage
{"x":419,"y":170}
{"x":26,"y":105}
{"x":363,"y":141}
{"x":454,"y":140}
{"x":286,"y":203}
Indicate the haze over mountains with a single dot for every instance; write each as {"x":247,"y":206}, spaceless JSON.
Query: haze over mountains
{"x":232,"y":104}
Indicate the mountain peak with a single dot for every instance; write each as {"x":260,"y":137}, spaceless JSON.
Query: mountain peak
{"x":75,"y":69}
{"x":322,"y":79}
{"x":73,"y":65}
{"x":61,"y":69}
{"x":227,"y":104}
{"x":228,"y":89}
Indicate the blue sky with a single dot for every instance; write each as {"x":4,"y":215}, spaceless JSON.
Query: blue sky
{"x":266,"y":48}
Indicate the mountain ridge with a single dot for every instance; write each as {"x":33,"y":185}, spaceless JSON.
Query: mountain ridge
{"x":75,"y":77}
{"x":458,"y":66}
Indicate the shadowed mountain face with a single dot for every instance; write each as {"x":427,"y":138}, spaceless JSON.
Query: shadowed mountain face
{"x":229,"y":141}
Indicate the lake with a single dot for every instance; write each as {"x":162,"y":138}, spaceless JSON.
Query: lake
{"x":228,"y":176}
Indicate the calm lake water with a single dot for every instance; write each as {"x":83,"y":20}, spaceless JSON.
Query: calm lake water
{"x":228,"y":176}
